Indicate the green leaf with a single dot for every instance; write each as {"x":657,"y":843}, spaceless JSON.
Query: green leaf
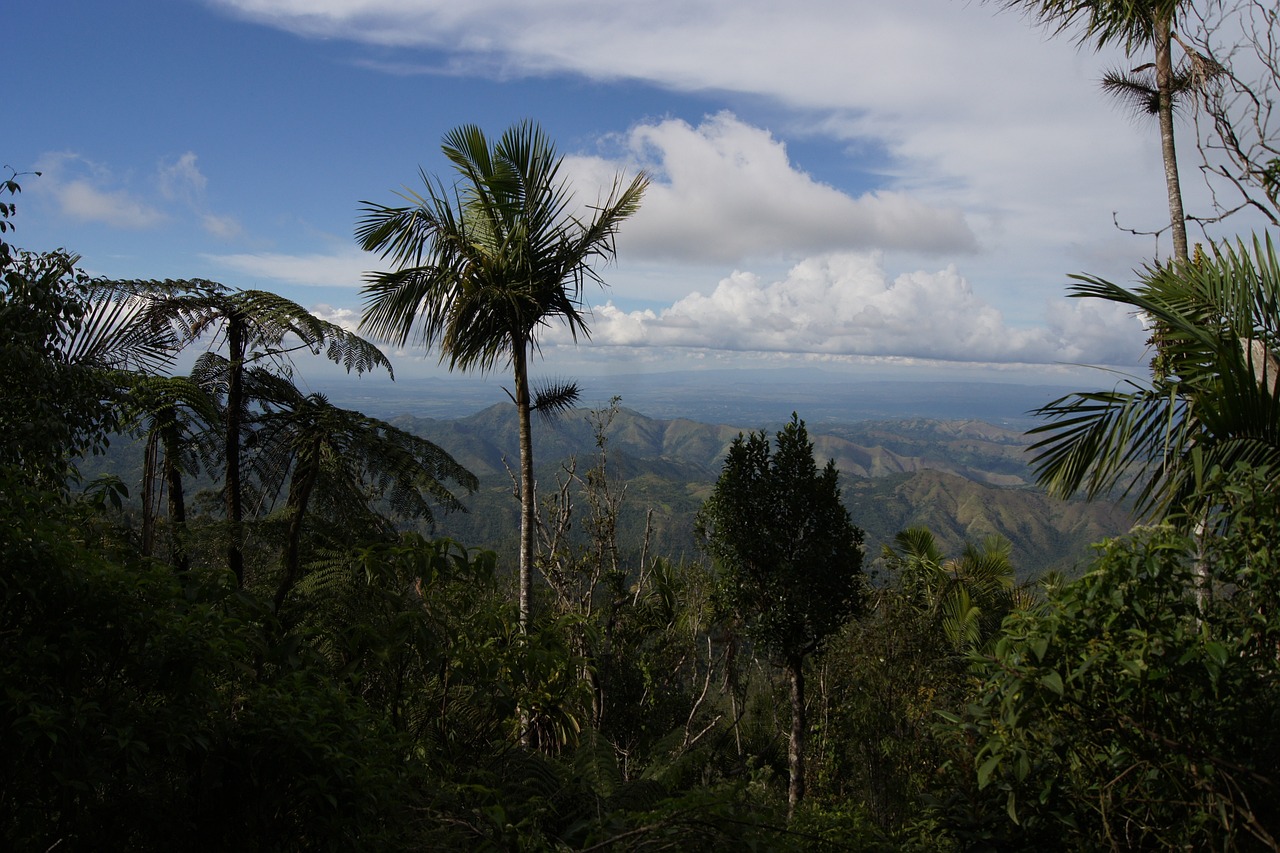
{"x":988,"y":767}
{"x":1053,"y":681}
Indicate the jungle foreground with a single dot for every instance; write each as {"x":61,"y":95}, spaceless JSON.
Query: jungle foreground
{"x":283,"y":665}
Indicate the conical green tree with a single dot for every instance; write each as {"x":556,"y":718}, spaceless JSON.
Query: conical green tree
{"x":788,"y":558}
{"x":482,"y":267}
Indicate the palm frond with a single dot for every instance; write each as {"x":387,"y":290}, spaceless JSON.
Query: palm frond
{"x":1212,"y":401}
{"x":1126,"y":23}
{"x":555,"y":398}
{"x":1136,"y":90}
{"x":479,"y":270}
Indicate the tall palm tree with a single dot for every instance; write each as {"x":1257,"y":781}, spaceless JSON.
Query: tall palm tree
{"x":1213,"y":398}
{"x":482,"y":267}
{"x":253,"y":326}
{"x":1133,"y":25}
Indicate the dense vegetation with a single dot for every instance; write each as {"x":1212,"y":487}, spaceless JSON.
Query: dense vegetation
{"x":282,"y":663}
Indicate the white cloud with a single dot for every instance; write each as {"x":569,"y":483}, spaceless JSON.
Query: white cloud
{"x":91,"y":192}
{"x":222,"y":227}
{"x":344,"y":317}
{"x":726,"y":191}
{"x":345,"y":268}
{"x":82,"y":200}
{"x":989,"y":133}
{"x":86,"y":191}
{"x":845,"y":305}
{"x":182,"y":179}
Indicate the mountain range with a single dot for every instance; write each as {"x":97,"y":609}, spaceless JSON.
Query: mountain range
{"x":963,"y":479}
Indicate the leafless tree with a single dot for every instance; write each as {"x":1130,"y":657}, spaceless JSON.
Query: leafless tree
{"x":1234,"y":49}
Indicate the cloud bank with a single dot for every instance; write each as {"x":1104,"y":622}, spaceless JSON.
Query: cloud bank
{"x":846,"y":305}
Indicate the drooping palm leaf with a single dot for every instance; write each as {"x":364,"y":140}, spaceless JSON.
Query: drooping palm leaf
{"x":1212,"y":399}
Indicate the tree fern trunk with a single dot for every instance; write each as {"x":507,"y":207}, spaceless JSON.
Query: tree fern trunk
{"x":150,"y":502}
{"x":177,"y":500}
{"x":305,"y":473}
{"x":235,"y":401}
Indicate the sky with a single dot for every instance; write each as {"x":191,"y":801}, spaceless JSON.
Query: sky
{"x":859,"y":187}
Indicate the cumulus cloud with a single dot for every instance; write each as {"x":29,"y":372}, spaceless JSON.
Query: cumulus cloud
{"x":968,"y":110}
{"x":846,"y":305}
{"x":725,"y":191}
{"x":347,"y":318}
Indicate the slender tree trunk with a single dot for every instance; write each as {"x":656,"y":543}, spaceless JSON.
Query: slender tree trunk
{"x":304,"y":480}
{"x":177,"y":500}
{"x":519,"y":362}
{"x":1164,"y":84}
{"x":795,"y":749}
{"x":527,"y":506}
{"x":235,"y":400}
{"x":150,"y":464}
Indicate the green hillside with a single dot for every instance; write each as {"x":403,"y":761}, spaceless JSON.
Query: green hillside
{"x":963,"y":479}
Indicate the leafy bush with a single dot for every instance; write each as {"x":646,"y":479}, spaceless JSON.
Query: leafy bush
{"x":1140,"y":708}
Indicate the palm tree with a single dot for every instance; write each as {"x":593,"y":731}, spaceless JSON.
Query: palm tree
{"x":253,"y":325}
{"x":176,"y":414}
{"x":1212,"y":399}
{"x":483,"y":267}
{"x":966,"y":597}
{"x":347,"y":460}
{"x":1134,"y":25}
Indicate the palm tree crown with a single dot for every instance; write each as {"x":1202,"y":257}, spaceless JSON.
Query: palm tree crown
{"x":1133,"y":25}
{"x":481,"y":268}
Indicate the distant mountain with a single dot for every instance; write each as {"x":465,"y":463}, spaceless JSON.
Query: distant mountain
{"x":741,"y":398}
{"x":963,"y":479}
{"x":1046,"y":533}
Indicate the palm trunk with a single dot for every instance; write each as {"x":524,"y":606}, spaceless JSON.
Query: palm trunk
{"x":1164,"y":84}
{"x":519,"y":362}
{"x":795,"y":749}
{"x":235,"y":399}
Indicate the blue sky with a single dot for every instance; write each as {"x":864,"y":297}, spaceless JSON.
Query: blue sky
{"x":854,"y":185}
